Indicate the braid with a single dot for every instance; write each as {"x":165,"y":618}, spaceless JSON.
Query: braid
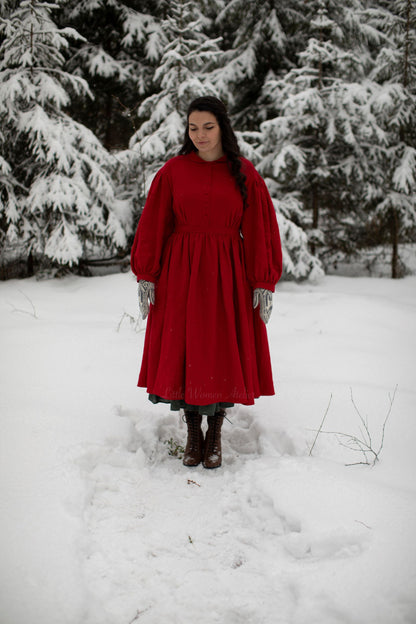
{"x":228,"y":139}
{"x":234,"y":164}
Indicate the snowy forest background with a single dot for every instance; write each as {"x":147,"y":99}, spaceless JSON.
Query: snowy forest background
{"x":93,"y":95}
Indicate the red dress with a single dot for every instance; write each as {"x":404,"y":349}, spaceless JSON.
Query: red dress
{"x":206,"y":253}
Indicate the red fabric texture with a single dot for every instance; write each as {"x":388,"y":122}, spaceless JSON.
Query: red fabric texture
{"x":206,"y":253}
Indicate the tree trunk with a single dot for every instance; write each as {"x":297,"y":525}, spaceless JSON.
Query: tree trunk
{"x":109,"y":119}
{"x":30,"y":268}
{"x":394,"y":236}
{"x":394,"y":220}
{"x":406,"y":52}
{"x":315,"y":213}
{"x":406,"y":46}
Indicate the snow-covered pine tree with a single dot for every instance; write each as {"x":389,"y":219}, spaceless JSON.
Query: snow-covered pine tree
{"x":118,"y":56}
{"x":183,"y":74}
{"x":298,"y":262}
{"x":258,"y":36}
{"x":57,"y":196}
{"x":390,"y":191}
{"x":312,"y":145}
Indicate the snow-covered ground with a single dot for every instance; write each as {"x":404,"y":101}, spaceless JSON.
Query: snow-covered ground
{"x":100,"y":525}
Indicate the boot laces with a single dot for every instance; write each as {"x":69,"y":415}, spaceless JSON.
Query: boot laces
{"x":194,"y":434}
{"x":213,"y":434}
{"x":194,"y":426}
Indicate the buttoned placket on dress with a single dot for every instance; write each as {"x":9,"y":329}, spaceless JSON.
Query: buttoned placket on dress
{"x":207,"y":193}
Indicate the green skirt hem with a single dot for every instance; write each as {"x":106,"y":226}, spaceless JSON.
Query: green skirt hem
{"x":203,"y":410}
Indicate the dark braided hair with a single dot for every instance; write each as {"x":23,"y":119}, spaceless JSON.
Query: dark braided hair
{"x":228,"y":139}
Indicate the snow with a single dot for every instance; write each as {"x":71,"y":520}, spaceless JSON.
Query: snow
{"x":100,"y":525}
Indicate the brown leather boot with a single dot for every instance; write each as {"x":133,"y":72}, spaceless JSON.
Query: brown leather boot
{"x":212,"y":452}
{"x":195,"y":442}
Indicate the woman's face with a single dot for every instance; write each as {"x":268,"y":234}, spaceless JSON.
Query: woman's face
{"x":205,"y":133}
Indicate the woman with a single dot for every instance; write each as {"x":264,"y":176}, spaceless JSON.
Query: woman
{"x":207,"y":256}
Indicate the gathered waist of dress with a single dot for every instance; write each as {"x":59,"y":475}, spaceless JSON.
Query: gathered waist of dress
{"x":194,"y":229}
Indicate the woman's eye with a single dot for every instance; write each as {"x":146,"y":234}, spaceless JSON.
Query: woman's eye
{"x":206,"y":128}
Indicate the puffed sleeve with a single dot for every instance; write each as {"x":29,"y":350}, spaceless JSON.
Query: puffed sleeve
{"x":155,"y":225}
{"x":261,"y":238}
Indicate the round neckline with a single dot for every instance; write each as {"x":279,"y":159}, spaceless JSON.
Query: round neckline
{"x":196,"y":158}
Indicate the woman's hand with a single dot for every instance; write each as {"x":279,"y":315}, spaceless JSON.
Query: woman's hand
{"x":146,"y":293}
{"x":265,"y":298}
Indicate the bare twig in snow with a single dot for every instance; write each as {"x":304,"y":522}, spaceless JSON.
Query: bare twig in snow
{"x":33,"y":313}
{"x":365,"y":444}
{"x":138,"y":614}
{"x":135,"y":323}
{"x":364,"y":524}
{"x":320,"y":426}
{"x":194,"y":482}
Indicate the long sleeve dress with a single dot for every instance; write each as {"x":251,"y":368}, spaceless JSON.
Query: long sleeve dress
{"x":206,"y":252}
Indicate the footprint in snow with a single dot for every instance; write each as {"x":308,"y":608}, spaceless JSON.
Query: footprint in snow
{"x":161,"y":435}
{"x":335,"y":544}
